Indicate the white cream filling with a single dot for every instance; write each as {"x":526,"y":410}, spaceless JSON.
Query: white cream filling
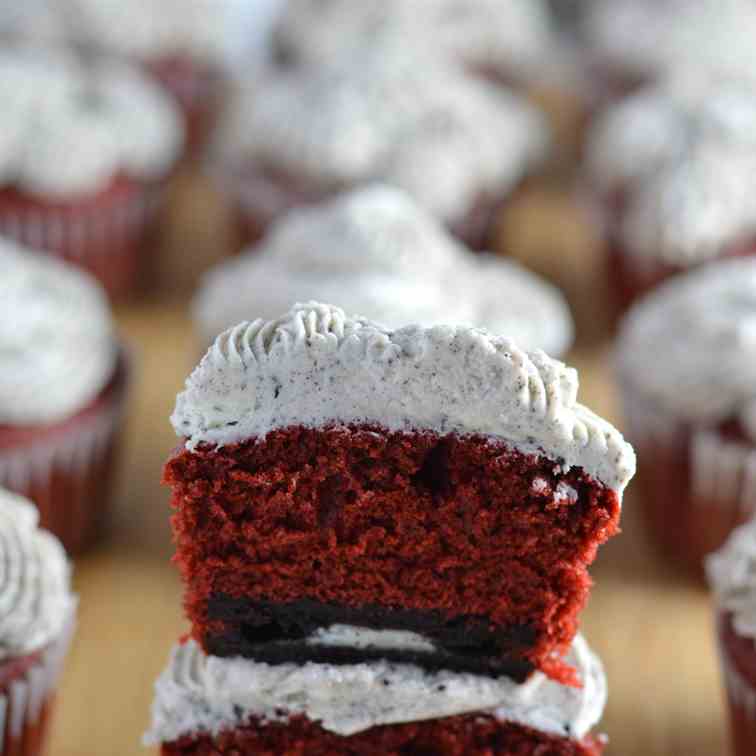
{"x":351,"y":636}
{"x":198,"y":694}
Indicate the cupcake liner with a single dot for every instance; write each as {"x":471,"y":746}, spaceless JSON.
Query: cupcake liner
{"x":106,"y":236}
{"x":740,"y":695}
{"x":696,"y":485}
{"x":68,"y":470}
{"x":26,"y":702}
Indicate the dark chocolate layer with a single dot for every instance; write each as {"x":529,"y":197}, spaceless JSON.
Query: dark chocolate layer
{"x":277,"y":633}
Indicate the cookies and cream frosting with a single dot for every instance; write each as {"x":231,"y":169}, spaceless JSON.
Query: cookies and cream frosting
{"x":690,"y":346}
{"x":388,"y":115}
{"x":35,"y":581}
{"x":316,"y":366}
{"x":695,"y":211}
{"x":665,"y":124}
{"x":731,"y":573}
{"x":375,"y":252}
{"x":69,"y":128}
{"x":57,"y":341}
{"x":198,"y":694}
{"x":514,"y":37}
{"x":648,"y":37}
{"x":154,"y":29}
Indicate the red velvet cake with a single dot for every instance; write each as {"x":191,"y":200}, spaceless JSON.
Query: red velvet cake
{"x":439,"y":483}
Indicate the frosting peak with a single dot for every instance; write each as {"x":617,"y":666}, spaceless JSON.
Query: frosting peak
{"x":35,"y":594}
{"x":57,"y":341}
{"x":316,"y":366}
{"x":374,"y":251}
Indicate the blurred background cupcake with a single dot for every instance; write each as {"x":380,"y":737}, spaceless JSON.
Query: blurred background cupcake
{"x":376,"y":252}
{"x":669,"y":180}
{"x":687,"y":369}
{"x":732,"y":579}
{"x":37,"y":618}
{"x":62,"y":392}
{"x":459,"y":146}
{"x":187,"y":46}
{"x":85,"y":152}
{"x":629,"y":43}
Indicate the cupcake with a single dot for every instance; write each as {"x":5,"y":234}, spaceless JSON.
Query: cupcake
{"x":186,"y":46}
{"x":37,"y":617}
{"x":62,"y":392}
{"x":85,"y":152}
{"x":375,"y":251}
{"x":630,"y":43}
{"x":669,"y":176}
{"x":460,"y":146}
{"x":731,"y":572}
{"x":508,"y":42}
{"x":685,"y":359}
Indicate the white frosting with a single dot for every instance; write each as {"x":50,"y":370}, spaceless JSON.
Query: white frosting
{"x":648,"y":37}
{"x":35,"y":578}
{"x":69,"y":128}
{"x":315,"y":366}
{"x":663,"y":125}
{"x":352,"y":636}
{"x":156,"y":28}
{"x":387,"y":115}
{"x":514,"y":37}
{"x":695,"y":211}
{"x":376,"y":252}
{"x":57,"y":342}
{"x":690,"y":346}
{"x":732,"y":577}
{"x":207,"y":695}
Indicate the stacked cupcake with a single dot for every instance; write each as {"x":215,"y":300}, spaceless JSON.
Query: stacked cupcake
{"x":384,"y":537}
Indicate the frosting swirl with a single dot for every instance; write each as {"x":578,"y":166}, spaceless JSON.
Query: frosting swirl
{"x":57,"y":341}
{"x":203,"y":694}
{"x":70,"y":129}
{"x":375,"y":252}
{"x":35,"y":576}
{"x":316,"y":366}
{"x":697,"y":331}
{"x":386,"y":115}
{"x":731,"y":573}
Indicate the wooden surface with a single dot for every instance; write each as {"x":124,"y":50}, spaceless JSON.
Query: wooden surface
{"x":652,"y":628}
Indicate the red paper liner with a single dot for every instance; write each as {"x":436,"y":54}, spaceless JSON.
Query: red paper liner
{"x":106,"y":234}
{"x":67,"y":469}
{"x":738,"y":664}
{"x":696,"y":485}
{"x":26,"y":698}
{"x":199,"y":89}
